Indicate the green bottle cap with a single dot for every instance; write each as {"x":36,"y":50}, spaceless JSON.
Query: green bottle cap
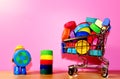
{"x":95,"y":28}
{"x":46,"y":71}
{"x":46,"y":52}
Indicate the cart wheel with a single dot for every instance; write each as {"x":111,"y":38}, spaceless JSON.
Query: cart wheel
{"x":72,"y":70}
{"x":104,"y":72}
{"x":76,"y":70}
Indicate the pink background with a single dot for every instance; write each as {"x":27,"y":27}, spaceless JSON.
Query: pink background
{"x":38,"y":24}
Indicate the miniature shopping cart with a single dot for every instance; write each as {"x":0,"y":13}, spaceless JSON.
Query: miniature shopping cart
{"x":89,"y":40}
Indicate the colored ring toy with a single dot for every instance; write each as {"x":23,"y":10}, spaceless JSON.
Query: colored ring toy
{"x":22,"y":58}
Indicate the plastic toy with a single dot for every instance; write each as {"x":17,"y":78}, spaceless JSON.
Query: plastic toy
{"x":21,"y":58}
{"x":70,"y":25}
{"x":46,"y":62}
{"x":66,"y":33}
{"x":98,"y":23}
{"x":91,"y":20}
{"x":88,"y":39}
{"x":95,"y":28}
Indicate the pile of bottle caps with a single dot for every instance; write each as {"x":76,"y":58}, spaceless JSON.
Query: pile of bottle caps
{"x":46,"y":62}
{"x":91,"y":27}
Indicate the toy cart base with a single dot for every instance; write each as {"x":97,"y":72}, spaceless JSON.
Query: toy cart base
{"x":96,"y":49}
{"x":73,"y":69}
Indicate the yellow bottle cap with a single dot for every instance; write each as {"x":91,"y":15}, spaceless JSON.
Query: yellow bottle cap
{"x":18,"y":47}
{"x":86,"y":29}
{"x":82,"y":46}
{"x":46,"y":57}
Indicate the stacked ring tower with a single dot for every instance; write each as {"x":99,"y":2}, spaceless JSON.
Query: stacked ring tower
{"x":46,"y":62}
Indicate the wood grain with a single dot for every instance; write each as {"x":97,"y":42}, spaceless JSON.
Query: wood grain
{"x":58,"y":75}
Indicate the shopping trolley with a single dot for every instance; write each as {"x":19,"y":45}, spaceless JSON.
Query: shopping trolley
{"x":84,"y":43}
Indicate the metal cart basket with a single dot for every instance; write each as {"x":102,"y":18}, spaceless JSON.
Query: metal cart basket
{"x":88,"y":45}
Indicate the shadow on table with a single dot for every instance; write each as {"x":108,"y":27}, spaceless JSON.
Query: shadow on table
{"x":114,"y":74}
{"x":54,"y":72}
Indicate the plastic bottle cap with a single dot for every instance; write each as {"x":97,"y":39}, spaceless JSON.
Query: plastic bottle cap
{"x":86,"y":29}
{"x":46,"y":52}
{"x":81,"y":26}
{"x":70,"y":25}
{"x":82,"y":46}
{"x":46,"y":57}
{"x":65,"y":34}
{"x":82,"y":33}
{"x":95,"y":28}
{"x":18,"y":47}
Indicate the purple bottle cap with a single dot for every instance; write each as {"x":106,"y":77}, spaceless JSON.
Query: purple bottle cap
{"x":72,"y":35}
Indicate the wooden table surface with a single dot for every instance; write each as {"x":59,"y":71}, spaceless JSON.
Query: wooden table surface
{"x":58,"y":75}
